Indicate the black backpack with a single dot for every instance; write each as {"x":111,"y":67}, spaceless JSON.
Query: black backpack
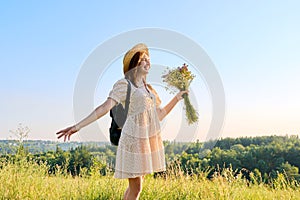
{"x":119,"y":114}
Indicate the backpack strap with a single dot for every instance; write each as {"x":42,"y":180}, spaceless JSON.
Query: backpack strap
{"x":127,"y":97}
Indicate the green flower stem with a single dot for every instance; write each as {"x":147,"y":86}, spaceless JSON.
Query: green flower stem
{"x":190,"y":111}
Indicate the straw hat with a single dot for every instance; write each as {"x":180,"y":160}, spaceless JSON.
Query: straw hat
{"x":127,"y":58}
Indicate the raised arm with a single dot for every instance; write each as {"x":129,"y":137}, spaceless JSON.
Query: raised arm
{"x":163,"y":112}
{"x":96,"y":114}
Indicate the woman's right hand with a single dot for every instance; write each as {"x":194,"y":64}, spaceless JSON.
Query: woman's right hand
{"x":66,"y":133}
{"x":96,"y":114}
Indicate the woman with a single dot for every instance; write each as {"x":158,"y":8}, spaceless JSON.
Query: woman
{"x":140,"y":149}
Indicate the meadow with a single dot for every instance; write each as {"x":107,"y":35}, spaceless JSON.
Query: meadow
{"x":29,"y":180}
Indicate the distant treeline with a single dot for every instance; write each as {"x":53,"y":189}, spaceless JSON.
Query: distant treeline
{"x":42,"y":146}
{"x":258,"y":159}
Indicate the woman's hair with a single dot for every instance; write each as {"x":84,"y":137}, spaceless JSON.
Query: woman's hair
{"x":132,"y":70}
{"x":134,"y":60}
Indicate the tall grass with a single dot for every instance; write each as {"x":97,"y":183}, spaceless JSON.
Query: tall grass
{"x":28,"y":180}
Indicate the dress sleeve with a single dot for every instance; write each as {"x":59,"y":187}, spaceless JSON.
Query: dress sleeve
{"x":157,"y":99}
{"x":119,"y":91}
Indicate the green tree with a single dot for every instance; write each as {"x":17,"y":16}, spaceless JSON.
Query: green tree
{"x":79,"y":158}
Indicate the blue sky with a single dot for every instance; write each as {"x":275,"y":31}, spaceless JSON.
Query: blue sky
{"x":254,"y":45}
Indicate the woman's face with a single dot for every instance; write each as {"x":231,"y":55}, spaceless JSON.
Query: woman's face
{"x":144,"y":64}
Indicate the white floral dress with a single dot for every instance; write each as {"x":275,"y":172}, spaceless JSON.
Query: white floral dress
{"x":140,"y":149}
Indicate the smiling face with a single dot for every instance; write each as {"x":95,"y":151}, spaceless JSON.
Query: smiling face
{"x":143,"y":64}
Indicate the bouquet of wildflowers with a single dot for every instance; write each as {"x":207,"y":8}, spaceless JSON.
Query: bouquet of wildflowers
{"x":181,"y":79}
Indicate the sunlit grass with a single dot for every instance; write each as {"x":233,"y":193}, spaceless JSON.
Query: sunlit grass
{"x":27,"y":180}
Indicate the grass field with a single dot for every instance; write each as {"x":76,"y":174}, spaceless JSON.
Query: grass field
{"x":26,"y":180}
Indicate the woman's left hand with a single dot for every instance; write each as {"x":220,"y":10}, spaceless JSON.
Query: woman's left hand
{"x":179,"y":94}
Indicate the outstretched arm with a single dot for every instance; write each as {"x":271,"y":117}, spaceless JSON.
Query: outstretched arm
{"x":96,"y":114}
{"x":163,"y":112}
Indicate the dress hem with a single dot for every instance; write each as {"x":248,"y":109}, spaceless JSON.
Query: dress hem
{"x":135,"y":175}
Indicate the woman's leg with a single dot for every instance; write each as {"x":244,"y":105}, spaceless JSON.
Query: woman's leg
{"x":126,"y":193}
{"x":134,"y":189}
